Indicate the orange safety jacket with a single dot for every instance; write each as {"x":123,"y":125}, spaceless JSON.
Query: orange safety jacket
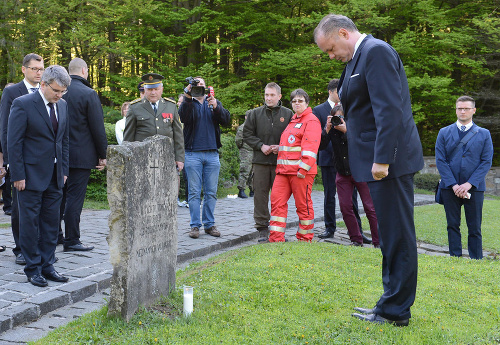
{"x":299,"y":145}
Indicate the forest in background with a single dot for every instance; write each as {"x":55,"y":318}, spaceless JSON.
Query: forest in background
{"x":448,"y":47}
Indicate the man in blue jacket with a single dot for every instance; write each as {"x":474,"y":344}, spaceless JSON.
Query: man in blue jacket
{"x":202,"y":117}
{"x":463,"y":175}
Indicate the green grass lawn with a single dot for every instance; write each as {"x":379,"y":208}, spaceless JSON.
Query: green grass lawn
{"x":303,"y":293}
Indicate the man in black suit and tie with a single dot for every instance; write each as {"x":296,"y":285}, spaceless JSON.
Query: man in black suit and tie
{"x":87,"y":150}
{"x":32,"y":69}
{"x":328,"y":171}
{"x":38,"y":143}
{"x":384,"y":150}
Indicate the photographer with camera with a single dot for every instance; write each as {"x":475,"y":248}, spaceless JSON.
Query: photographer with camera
{"x":336,"y":134}
{"x":202,"y":117}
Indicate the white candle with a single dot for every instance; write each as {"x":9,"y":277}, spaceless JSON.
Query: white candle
{"x":188,"y":300}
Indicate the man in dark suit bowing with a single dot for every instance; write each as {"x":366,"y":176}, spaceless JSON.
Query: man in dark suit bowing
{"x":38,"y":144}
{"x":32,"y":69}
{"x":87,"y":150}
{"x":384,"y":150}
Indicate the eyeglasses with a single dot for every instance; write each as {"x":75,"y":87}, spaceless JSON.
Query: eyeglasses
{"x":62,"y":92}
{"x":298,"y":101}
{"x":35,"y":69}
{"x":464,"y":109}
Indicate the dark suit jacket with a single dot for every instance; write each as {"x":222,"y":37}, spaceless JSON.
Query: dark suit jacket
{"x":9,"y":94}
{"x":380,"y":125}
{"x":87,"y":135}
{"x":325,"y":155}
{"x":470,"y":164}
{"x":33,"y":145}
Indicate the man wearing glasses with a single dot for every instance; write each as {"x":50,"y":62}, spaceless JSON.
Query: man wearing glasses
{"x":464,"y":153}
{"x":32,"y":69}
{"x":38,"y":141}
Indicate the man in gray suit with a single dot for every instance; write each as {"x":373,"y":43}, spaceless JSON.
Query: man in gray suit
{"x":38,"y":142}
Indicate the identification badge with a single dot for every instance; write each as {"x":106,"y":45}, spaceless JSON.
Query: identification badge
{"x":298,"y":125}
{"x":291,"y":139}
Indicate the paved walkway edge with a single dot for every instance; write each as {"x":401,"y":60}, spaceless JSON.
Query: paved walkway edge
{"x":43,"y":304}
{"x":71,"y":293}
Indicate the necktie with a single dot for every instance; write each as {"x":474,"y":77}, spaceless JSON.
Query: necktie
{"x":154,"y":107}
{"x":33,"y":89}
{"x":53,"y":118}
{"x":462,"y":128}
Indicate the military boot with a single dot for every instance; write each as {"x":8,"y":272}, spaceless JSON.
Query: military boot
{"x":263,"y":235}
{"x":242,"y":194}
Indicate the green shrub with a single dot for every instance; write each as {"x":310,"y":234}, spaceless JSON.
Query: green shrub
{"x":426,"y":181}
{"x":111,"y":115}
{"x":96,"y":189}
{"x":229,"y":161}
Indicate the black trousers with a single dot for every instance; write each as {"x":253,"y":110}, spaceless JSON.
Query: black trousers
{"x":393,"y":200}
{"x":71,"y":209}
{"x":473,"y":208}
{"x":39,"y":221}
{"x":10,"y":203}
{"x":328,"y":175}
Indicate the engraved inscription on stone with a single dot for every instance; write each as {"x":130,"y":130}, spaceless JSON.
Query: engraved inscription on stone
{"x":142,"y":194}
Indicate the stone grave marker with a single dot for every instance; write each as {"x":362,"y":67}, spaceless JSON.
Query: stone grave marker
{"x":142,"y":193}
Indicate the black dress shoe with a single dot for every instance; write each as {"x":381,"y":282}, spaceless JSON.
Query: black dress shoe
{"x":327,"y":234}
{"x":366,"y":240}
{"x":356,"y":244}
{"x":20,"y":259}
{"x":374,"y":318}
{"x":38,"y":280}
{"x":78,"y":248}
{"x":365,"y":310}
{"x":8,"y":212}
{"x":55,"y":277}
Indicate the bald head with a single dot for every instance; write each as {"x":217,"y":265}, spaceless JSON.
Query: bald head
{"x":78,"y":67}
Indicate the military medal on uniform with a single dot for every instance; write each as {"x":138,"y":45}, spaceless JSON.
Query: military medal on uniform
{"x":167,"y":117}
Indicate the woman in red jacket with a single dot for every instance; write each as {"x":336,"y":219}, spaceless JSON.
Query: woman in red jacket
{"x":295,"y":170}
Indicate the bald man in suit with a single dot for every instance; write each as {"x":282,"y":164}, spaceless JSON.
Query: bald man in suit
{"x":384,"y":151}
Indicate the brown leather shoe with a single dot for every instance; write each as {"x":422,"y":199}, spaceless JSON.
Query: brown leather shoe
{"x":194,"y":233}
{"x":212,"y":231}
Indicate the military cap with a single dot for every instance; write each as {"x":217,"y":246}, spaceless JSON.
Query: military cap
{"x":140,"y":86}
{"x":152,"y":80}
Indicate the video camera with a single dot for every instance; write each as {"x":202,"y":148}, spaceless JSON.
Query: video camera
{"x":196,"y":91}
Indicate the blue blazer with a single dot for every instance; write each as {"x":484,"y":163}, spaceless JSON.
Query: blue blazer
{"x":471,"y":164}
{"x":8,"y":96}
{"x":374,"y":93}
{"x":33,"y":145}
{"x":325,"y":156}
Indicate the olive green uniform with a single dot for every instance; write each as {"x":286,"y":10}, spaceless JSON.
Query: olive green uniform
{"x":246,"y":155}
{"x":141,"y":122}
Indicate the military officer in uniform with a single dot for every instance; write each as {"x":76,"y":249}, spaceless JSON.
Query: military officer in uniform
{"x":155,"y":115}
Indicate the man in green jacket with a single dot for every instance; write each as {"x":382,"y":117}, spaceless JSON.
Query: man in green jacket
{"x":155,"y":115}
{"x":262,"y":132}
